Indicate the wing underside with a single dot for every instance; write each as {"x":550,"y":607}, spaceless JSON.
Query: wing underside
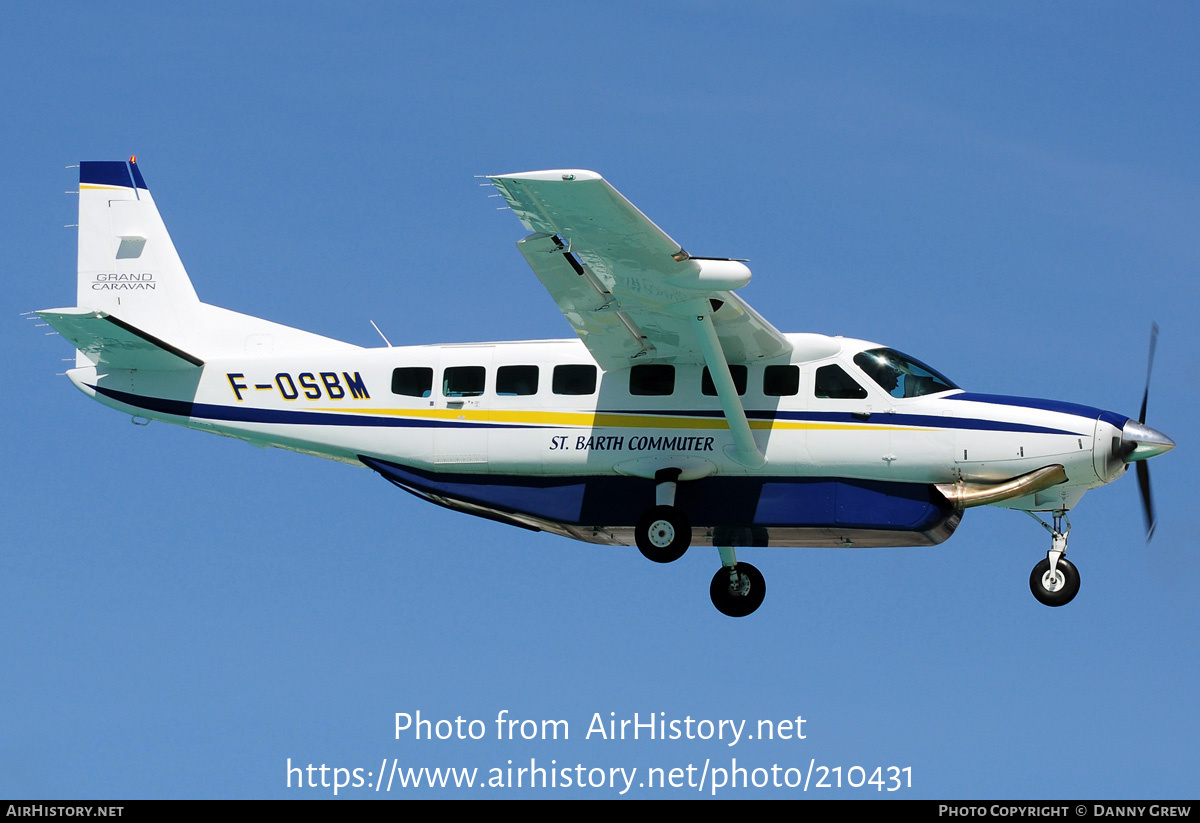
{"x":627,"y":288}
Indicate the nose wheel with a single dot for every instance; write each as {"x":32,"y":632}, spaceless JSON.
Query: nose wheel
{"x":1055,"y":581}
{"x":1054,"y":588}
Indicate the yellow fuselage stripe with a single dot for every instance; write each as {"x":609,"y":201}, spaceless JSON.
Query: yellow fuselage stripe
{"x":610,"y":420}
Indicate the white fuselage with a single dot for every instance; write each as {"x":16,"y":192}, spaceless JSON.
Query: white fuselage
{"x":345,"y":405}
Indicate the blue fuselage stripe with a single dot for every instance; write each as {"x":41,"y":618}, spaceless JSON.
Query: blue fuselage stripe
{"x":248,"y":414}
{"x":239,"y":414}
{"x":1090,"y":412}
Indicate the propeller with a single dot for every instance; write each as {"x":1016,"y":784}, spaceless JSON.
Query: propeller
{"x":1143,"y":468}
{"x":1139,"y":442}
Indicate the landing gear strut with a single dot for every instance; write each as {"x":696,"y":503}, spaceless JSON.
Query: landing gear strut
{"x":663,"y":533}
{"x":737,"y":589}
{"x":1055,"y":580}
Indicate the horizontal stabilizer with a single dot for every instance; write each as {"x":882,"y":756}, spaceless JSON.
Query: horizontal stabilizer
{"x":113,"y":343}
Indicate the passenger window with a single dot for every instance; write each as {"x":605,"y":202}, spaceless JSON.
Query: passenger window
{"x":574,"y":380}
{"x":516,"y":381}
{"x":739,"y":381}
{"x":652,"y":380}
{"x":781,"y":381}
{"x":463,"y":381}
{"x":833,"y":383}
{"x":412,"y":381}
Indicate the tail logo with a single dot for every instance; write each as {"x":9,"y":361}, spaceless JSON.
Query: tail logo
{"x":124,"y":281}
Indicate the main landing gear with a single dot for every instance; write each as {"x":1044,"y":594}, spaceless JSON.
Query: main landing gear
{"x":664,"y":533}
{"x":737,"y":589}
{"x":1055,"y":580}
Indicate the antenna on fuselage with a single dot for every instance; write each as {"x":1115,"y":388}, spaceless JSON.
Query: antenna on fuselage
{"x":381,"y":334}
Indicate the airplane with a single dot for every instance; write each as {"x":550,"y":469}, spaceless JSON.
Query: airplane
{"x":676,"y":416}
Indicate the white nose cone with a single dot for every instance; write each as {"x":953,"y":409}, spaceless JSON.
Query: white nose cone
{"x":1140,"y":442}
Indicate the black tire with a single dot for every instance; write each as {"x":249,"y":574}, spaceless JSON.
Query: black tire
{"x":1061,"y":594}
{"x":663,"y":534}
{"x":738,"y":605}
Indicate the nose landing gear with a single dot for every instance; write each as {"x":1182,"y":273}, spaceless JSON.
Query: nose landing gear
{"x":1055,"y":580}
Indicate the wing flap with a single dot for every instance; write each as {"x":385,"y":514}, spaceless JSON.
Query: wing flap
{"x":611,"y":338}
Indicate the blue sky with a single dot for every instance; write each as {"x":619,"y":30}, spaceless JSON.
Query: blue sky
{"x":1006,"y":191}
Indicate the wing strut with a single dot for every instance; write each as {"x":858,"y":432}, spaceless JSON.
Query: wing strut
{"x":746,"y":450}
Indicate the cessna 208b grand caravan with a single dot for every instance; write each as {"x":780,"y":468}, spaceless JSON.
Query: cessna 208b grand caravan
{"x":677,"y":416}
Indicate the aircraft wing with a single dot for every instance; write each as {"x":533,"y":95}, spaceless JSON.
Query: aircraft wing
{"x":625,"y":286}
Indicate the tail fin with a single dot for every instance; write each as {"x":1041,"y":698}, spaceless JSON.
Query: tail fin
{"x":128,"y":266}
{"x":136,"y":305}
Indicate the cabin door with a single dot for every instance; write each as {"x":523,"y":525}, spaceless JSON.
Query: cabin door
{"x":466,"y":380}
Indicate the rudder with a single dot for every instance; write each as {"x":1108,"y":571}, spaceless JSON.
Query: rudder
{"x":128,"y":266}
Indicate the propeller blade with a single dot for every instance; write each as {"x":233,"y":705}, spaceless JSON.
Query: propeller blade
{"x":1143,"y":468}
{"x":1143,"y":476}
{"x":1149,"y":368}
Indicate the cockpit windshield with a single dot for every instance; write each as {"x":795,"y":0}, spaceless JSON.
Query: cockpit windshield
{"x":899,"y":375}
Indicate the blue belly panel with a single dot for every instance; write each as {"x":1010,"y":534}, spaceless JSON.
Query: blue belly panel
{"x":718,"y":502}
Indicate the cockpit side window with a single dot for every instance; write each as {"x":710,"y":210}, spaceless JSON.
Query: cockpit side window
{"x":834,"y":384}
{"x":900,"y":375}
